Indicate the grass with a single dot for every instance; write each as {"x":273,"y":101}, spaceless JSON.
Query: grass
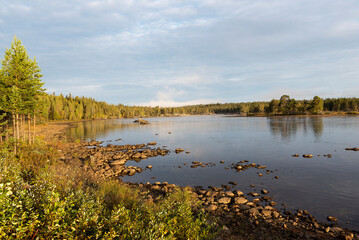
{"x":42,"y":198}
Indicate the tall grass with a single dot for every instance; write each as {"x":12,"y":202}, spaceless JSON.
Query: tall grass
{"x":41,"y":198}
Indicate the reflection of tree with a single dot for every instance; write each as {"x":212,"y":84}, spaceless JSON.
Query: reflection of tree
{"x":97,"y":128}
{"x":317,"y":125}
{"x":287,"y":127}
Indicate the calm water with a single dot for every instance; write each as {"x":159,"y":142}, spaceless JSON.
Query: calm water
{"x":324,"y":186}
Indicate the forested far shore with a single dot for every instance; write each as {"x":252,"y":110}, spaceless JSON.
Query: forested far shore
{"x":79,"y":108}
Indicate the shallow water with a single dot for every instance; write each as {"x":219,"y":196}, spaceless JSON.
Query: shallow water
{"x":324,"y":186}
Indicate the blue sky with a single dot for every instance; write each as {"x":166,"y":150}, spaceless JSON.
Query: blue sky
{"x":180,"y":52}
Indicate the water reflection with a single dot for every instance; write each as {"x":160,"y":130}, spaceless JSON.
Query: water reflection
{"x":96,"y":129}
{"x":287,"y":127}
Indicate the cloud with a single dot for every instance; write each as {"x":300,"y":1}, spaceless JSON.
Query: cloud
{"x":237,"y":50}
{"x":168,"y":99}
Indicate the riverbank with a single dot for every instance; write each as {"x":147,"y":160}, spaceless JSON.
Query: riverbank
{"x":238,"y":216}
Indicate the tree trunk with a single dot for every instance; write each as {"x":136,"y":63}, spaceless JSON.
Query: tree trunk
{"x":17,"y":127}
{"x":6,"y":132}
{"x":14,"y":131}
{"x":28,"y":128}
{"x":33,"y":137}
{"x":23,"y":127}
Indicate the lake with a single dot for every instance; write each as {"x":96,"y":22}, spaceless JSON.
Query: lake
{"x":322,"y":185}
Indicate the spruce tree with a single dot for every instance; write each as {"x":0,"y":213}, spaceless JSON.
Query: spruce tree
{"x":20,"y":82}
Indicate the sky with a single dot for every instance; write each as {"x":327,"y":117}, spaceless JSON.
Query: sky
{"x":179,"y":52}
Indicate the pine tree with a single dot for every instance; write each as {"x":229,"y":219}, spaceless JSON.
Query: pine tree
{"x":20,"y":83}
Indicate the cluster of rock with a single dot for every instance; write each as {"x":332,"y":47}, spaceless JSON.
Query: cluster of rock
{"x":232,"y":204}
{"x":311,"y":155}
{"x":196,"y":164}
{"x":109,"y":161}
{"x":244,"y":165}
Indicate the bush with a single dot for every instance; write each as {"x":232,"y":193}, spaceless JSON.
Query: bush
{"x":41,"y":205}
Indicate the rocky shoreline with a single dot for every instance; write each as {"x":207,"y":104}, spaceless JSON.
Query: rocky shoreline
{"x":241,"y":216}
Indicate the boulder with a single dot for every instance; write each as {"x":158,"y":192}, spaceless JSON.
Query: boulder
{"x":211,"y":207}
{"x":240,"y":200}
{"x":141,"y":121}
{"x":224,"y":200}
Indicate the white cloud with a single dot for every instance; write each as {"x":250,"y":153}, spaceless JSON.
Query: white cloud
{"x":167,"y":99}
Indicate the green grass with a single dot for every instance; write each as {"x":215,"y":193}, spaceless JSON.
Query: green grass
{"x":41,"y":198}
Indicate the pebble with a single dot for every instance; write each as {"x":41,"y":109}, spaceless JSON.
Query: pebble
{"x":332,"y":219}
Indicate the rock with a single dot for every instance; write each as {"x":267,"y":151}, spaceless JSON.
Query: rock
{"x":264,"y":191}
{"x":211,"y":207}
{"x":269,"y":208}
{"x":149,"y":166}
{"x":332,"y":219}
{"x":221,"y":162}
{"x":352,"y":149}
{"x":155,"y":187}
{"x":229,"y":194}
{"x":131,"y":172}
{"x":233,"y":183}
{"x":253,"y":212}
{"x":276,"y":177}
{"x":239,"y":167}
{"x":239,"y":193}
{"x":152,"y":143}
{"x":266,"y":213}
{"x":336,"y":229}
{"x":347,"y":236}
{"x":272,"y":203}
{"x":141,"y":121}
{"x":178,"y":150}
{"x":295,"y":155}
{"x":240,"y":200}
{"x":307,"y":155}
{"x":253,"y":194}
{"x":118,"y":162}
{"x":224,"y":200}
{"x":256,"y":200}
{"x":244,"y":207}
{"x":275,"y":214}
